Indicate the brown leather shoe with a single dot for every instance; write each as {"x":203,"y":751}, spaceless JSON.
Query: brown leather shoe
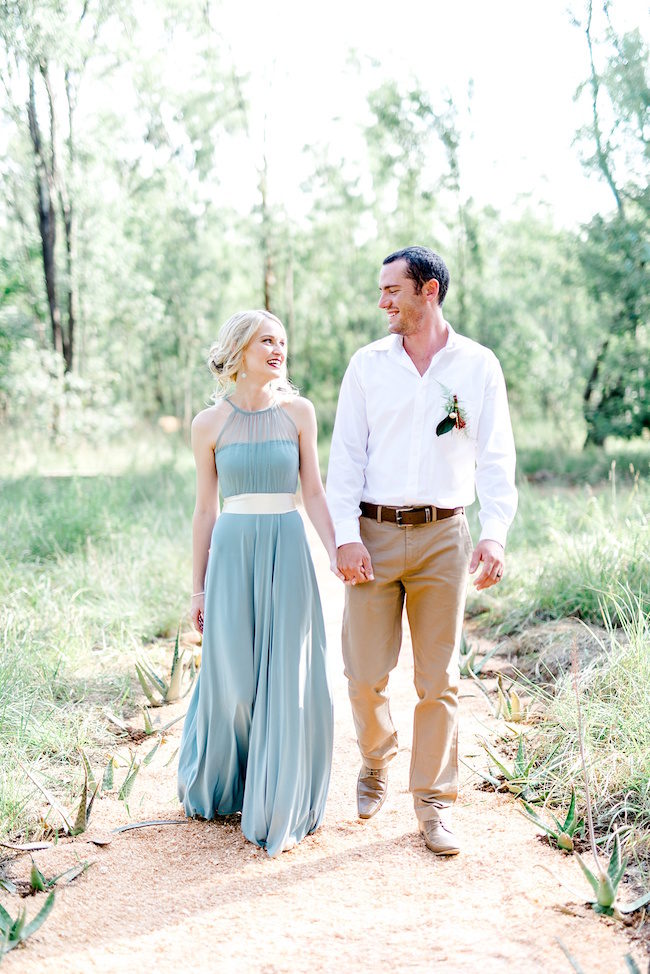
{"x":372,"y":787}
{"x":439,"y":838}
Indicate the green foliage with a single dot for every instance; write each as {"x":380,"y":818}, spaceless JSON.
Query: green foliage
{"x":568,"y":551}
{"x":15,"y":931}
{"x":92,"y":567}
{"x":614,"y":690}
{"x":563,"y":833}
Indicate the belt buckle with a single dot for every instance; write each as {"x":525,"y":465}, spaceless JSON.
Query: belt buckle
{"x":398,"y":515}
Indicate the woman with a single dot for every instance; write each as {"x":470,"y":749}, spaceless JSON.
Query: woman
{"x":258,"y":733}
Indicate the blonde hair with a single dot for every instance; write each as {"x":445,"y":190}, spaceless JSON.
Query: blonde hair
{"x":225,"y":357}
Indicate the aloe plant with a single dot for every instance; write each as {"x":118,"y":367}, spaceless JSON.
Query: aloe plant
{"x":151,"y":728}
{"x":604,"y":882}
{"x":73,"y":823}
{"x":157,"y":690}
{"x":561,"y":833}
{"x":509,"y":704}
{"x":129,"y":780}
{"x":517,"y":778}
{"x":470,"y":665}
{"x":39,"y":884}
{"x":14,"y":931}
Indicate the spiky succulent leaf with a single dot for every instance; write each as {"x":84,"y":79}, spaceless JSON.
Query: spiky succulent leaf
{"x":129,"y":781}
{"x":40,"y":917}
{"x":37,"y":880}
{"x":148,"y":726}
{"x":145,"y":686}
{"x":16,"y":931}
{"x":593,"y":881}
{"x":565,"y":841}
{"x":516,"y":710}
{"x":64,"y":814}
{"x":81,"y":821}
{"x":616,"y":867}
{"x":520,"y":759}
{"x":174,"y":689}
{"x":532,"y":815}
{"x":5,"y":920}
{"x":152,"y":753}
{"x":155,"y":679}
{"x":570,"y":820}
{"x":477,"y":667}
{"x":69,"y":874}
{"x":632,"y":965}
{"x":92,"y":782}
{"x":636,"y":905}
{"x":7,"y":886}
{"x":606,"y":891}
{"x":107,"y":780}
{"x":507,"y":773}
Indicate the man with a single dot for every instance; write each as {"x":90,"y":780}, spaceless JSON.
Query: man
{"x":422,"y":421}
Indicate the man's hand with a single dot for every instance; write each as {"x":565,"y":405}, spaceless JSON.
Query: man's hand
{"x":491,"y":556}
{"x":354,"y":563}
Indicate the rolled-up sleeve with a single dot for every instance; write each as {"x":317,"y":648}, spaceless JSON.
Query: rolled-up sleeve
{"x":495,"y":460}
{"x":348,"y":457}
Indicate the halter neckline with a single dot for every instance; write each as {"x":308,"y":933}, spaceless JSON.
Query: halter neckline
{"x":251,"y":412}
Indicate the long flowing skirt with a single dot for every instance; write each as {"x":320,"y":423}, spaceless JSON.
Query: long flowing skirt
{"x":258,"y":731}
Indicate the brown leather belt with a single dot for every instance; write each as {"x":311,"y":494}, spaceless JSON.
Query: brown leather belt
{"x":408,"y":515}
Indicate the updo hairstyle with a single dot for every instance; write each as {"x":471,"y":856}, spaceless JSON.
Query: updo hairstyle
{"x":225,"y":357}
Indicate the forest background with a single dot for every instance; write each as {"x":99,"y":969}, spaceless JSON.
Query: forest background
{"x":128,"y":233}
{"x":152,"y":185}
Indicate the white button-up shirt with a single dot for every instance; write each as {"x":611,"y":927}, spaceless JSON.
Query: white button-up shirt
{"x":385,"y":449}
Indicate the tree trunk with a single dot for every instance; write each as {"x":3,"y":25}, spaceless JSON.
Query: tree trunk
{"x":267,"y":257}
{"x":46,"y":217}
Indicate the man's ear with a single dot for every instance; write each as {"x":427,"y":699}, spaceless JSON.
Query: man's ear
{"x":431,"y":289}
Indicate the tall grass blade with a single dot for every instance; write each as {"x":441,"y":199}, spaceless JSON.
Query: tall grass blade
{"x":51,"y":800}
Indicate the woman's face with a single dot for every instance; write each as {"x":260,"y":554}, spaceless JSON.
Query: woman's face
{"x":266,"y":353}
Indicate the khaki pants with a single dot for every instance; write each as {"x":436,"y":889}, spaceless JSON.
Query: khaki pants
{"x":426,"y":565}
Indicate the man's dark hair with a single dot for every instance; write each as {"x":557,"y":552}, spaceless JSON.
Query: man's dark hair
{"x":423,"y":265}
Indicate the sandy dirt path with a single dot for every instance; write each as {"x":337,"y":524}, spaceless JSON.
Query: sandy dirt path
{"x":355,"y":896}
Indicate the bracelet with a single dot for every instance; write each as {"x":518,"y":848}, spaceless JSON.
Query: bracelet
{"x":194,"y":594}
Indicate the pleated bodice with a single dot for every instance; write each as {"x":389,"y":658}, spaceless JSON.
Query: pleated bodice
{"x":257,"y":452}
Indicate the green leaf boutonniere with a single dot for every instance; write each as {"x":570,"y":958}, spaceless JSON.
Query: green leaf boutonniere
{"x":456,"y":417}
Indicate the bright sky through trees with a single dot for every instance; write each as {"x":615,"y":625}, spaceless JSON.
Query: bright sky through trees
{"x":523,"y":60}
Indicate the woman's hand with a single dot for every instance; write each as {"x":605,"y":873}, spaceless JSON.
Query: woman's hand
{"x":335,"y":568}
{"x":196,"y":612}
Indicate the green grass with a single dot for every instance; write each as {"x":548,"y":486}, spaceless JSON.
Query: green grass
{"x":91,"y":567}
{"x":614,"y":692}
{"x":567,"y":549}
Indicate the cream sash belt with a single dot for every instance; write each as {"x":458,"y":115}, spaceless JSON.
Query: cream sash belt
{"x":259,"y":504}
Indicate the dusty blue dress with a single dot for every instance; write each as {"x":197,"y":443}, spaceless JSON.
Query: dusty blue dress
{"x":257,"y":737}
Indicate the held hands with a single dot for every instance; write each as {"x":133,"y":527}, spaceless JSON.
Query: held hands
{"x":490,"y":555}
{"x":354,"y":564}
{"x":335,"y":568}
{"x":196,"y":612}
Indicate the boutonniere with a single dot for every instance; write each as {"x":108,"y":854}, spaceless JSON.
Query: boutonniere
{"x":456,"y":417}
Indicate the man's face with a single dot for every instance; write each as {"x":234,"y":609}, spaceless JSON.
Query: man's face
{"x":404,"y":307}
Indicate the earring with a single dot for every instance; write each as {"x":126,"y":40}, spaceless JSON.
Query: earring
{"x":242,"y":375}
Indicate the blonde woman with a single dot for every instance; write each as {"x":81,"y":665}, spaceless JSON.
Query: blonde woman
{"x":258,"y":733}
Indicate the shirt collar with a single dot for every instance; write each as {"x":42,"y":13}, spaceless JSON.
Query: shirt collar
{"x":396,"y":348}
